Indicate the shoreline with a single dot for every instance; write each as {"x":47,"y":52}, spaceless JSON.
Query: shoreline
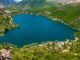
{"x":59,"y":20}
{"x":51,"y":18}
{"x":56,"y":42}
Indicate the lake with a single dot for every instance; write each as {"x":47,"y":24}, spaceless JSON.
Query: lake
{"x":38,"y":29}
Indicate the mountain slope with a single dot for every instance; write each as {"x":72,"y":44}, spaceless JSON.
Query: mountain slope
{"x":32,"y":3}
{"x":7,"y":2}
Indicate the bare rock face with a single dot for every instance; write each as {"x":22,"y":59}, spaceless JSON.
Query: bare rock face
{"x":65,"y":1}
{"x":74,"y":1}
{"x":58,"y":1}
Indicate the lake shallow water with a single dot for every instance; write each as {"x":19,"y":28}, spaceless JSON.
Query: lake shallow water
{"x":36,"y":29}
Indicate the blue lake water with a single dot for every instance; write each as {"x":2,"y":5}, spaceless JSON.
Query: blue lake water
{"x":36,"y":29}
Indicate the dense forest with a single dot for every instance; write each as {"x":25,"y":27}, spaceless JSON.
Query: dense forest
{"x":67,"y":14}
{"x":47,"y":51}
{"x":6,"y":22}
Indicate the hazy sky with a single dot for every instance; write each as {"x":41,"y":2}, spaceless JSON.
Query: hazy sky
{"x":18,"y":0}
